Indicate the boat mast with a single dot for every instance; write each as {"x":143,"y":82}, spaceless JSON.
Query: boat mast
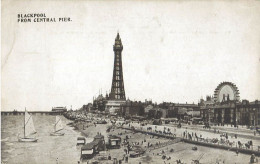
{"x":24,"y":123}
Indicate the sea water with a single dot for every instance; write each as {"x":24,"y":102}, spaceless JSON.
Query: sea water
{"x":48,"y":149}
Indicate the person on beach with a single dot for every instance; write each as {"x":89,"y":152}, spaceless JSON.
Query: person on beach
{"x":178,"y":161}
{"x":252,"y":159}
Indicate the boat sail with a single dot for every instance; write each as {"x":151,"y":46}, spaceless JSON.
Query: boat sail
{"x":29,"y":129}
{"x":57,"y":127}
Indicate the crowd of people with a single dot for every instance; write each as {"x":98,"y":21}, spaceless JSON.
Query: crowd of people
{"x":220,"y":139}
{"x":215,"y":136}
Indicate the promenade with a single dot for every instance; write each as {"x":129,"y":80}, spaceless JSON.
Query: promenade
{"x":242,"y":131}
{"x":201,"y":136}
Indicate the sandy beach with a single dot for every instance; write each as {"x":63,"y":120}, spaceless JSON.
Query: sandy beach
{"x":161,"y":151}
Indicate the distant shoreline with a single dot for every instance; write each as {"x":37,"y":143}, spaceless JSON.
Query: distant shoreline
{"x":79,"y":127}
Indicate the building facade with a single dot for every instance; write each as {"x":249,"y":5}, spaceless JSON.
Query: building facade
{"x":132,"y":108}
{"x":100,"y":102}
{"x":59,"y":109}
{"x":248,"y":113}
{"x":226,"y":108}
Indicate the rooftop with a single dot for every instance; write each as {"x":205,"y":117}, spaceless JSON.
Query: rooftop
{"x":88,"y":146}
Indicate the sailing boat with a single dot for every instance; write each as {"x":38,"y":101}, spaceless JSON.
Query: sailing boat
{"x":28,"y":129}
{"x":57,"y":127}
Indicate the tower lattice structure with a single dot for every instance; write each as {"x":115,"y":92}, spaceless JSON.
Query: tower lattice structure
{"x":117,"y":88}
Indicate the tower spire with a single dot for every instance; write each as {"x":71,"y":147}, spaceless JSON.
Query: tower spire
{"x":117,"y":88}
{"x":118,"y":37}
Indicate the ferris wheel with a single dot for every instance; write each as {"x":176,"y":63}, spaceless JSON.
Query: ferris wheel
{"x":226,"y":91}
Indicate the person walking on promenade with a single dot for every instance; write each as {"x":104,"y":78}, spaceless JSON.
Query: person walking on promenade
{"x":239,"y":144}
{"x":190,"y":137}
{"x":196,"y":136}
{"x":251,"y":144}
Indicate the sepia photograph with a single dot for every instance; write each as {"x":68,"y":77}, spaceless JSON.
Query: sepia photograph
{"x":130,"y":82}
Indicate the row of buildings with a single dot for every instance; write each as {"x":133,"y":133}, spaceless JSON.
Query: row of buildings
{"x":224,"y":107}
{"x":225,"y":112}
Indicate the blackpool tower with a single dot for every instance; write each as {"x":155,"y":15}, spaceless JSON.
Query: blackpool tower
{"x":117,"y":88}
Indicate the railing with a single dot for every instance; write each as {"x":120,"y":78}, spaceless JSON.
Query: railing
{"x":202,"y":142}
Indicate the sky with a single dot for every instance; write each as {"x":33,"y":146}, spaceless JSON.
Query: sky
{"x":174,"y":51}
